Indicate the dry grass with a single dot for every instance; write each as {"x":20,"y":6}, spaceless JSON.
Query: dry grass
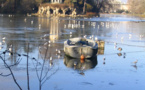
{"x":142,"y":15}
{"x":90,"y":14}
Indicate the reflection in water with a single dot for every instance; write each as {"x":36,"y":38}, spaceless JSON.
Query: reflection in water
{"x":134,"y":66}
{"x":101,"y":47}
{"x":52,"y":51}
{"x":50,"y":37}
{"x":119,"y":54}
{"x":80,"y":65}
{"x":19,"y":32}
{"x":55,"y":31}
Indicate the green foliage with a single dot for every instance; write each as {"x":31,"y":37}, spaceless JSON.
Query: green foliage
{"x":89,"y":7}
{"x":120,"y":11}
{"x":68,"y":2}
{"x":127,"y":11}
{"x":74,"y":1}
{"x":80,"y":2}
{"x":38,"y":1}
{"x":8,"y":6}
{"x":2,"y":1}
{"x":19,"y":6}
{"x":27,"y":6}
{"x":45,"y":1}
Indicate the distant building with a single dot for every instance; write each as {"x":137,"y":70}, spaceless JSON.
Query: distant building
{"x":56,"y":1}
{"x":124,"y":6}
{"x":117,"y":5}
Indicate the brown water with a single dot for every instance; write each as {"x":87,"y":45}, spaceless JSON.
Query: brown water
{"x":31,"y":35}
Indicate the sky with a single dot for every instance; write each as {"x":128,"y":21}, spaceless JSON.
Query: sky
{"x":124,"y":0}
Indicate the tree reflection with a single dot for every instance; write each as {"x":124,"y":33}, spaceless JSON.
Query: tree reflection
{"x":3,"y":57}
{"x":42,"y":66}
{"x":42,"y":69}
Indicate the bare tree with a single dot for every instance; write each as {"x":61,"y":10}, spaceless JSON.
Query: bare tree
{"x":84,"y":8}
{"x":136,"y":6}
{"x":43,"y":75}
{"x":9,"y":67}
{"x":42,"y":69}
{"x":28,"y":68}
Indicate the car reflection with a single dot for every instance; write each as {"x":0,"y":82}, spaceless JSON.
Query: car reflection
{"x":80,"y":65}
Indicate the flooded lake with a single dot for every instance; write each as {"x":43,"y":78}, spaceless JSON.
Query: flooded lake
{"x":40,"y":41}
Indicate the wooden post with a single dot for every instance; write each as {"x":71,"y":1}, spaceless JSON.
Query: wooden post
{"x":101,"y":46}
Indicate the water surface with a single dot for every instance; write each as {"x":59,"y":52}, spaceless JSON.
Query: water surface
{"x":42,"y":37}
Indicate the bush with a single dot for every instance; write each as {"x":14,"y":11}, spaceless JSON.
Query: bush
{"x":90,"y":14}
{"x":120,"y":11}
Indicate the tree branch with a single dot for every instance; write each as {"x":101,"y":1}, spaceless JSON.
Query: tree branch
{"x":28,"y":68}
{"x":3,"y":59}
{"x":1,"y":74}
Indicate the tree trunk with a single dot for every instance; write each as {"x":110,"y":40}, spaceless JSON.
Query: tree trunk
{"x":16,"y":4}
{"x":84,"y":8}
